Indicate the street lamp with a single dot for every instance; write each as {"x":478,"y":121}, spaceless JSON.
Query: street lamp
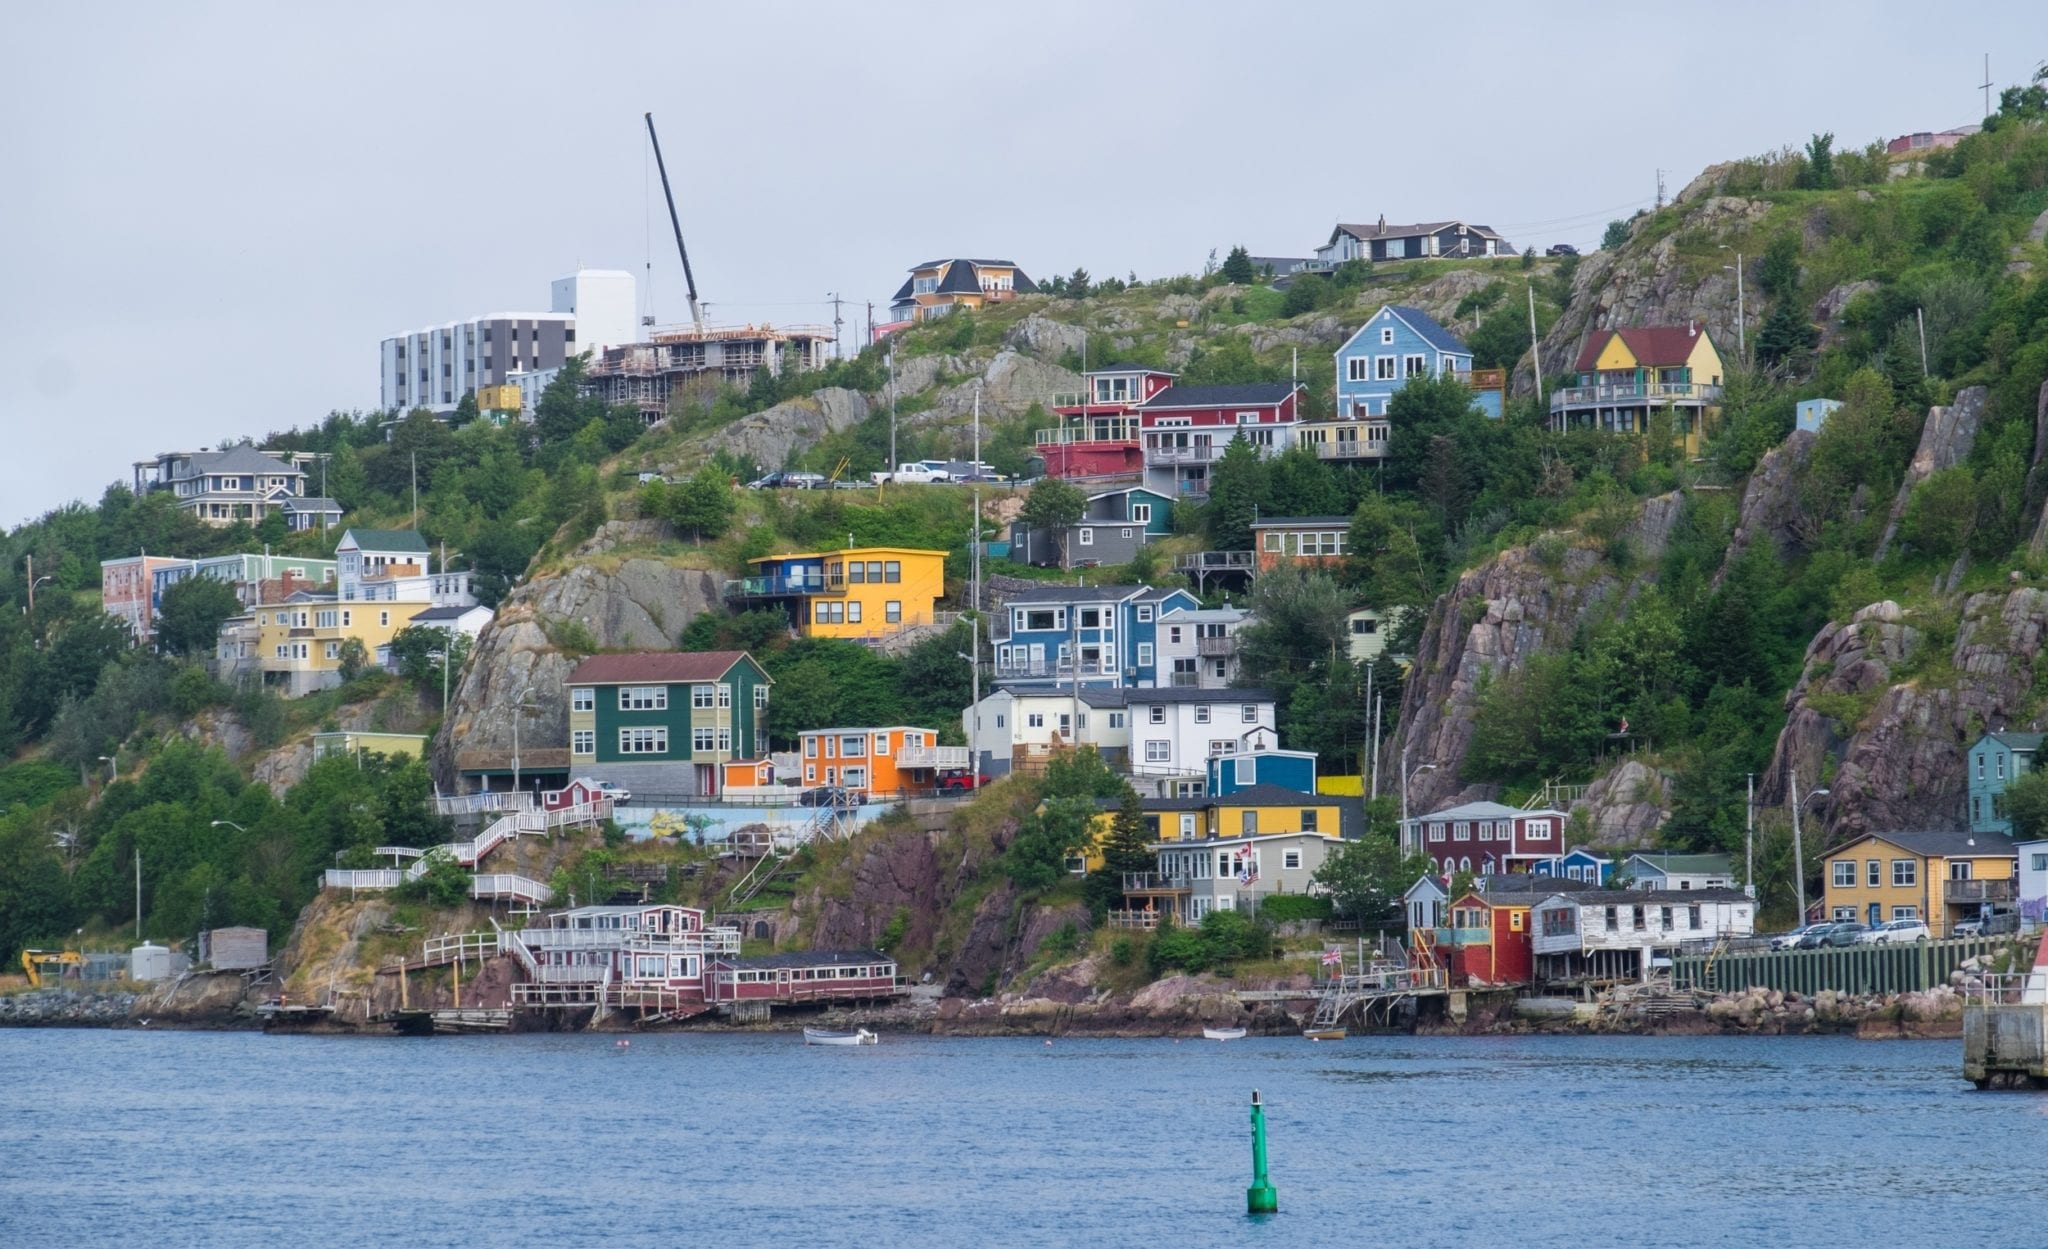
{"x":113,"y":768}
{"x":1798,"y":851}
{"x":229,"y":824}
{"x":1741,"y":321}
{"x":1405,"y":775}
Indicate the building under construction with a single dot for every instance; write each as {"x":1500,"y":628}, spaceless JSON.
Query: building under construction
{"x":698,"y":362}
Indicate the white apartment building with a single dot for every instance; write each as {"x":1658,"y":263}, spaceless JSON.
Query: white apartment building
{"x":434,"y":367}
{"x":1174,"y":733}
{"x":1012,"y":729}
{"x":1198,"y":649}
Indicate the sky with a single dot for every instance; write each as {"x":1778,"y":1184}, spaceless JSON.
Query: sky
{"x":213,"y":213}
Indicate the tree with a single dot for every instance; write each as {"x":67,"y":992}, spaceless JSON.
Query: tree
{"x":1820,"y":162}
{"x":1078,"y":284}
{"x":1237,"y":268}
{"x":1054,"y":506}
{"x":353,"y":658}
{"x":188,"y":621}
{"x":703,"y":506}
{"x":1237,"y":484}
{"x":1777,"y":274}
{"x":1786,"y":339}
{"x":1126,"y":848}
{"x":1367,"y":877}
{"x":1941,"y":513}
{"x":1615,"y":237}
{"x":2026,"y":803}
{"x":272,"y":528}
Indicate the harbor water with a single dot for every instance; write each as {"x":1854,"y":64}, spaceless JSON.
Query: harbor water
{"x":225,"y":1140}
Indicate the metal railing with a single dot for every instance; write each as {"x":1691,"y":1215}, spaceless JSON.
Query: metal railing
{"x":782,"y":587}
{"x":1633,"y":393}
{"x":933,"y":757}
{"x":1978,"y":891}
{"x":1154,"y":882}
{"x":1216,"y":561}
{"x":2029,"y":988}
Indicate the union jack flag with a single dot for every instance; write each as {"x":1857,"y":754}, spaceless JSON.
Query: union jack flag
{"x":1333,"y":958}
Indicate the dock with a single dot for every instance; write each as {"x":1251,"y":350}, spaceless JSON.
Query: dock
{"x":2005,"y":1028}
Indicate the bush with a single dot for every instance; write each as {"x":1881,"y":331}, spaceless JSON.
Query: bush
{"x":1283,"y":908}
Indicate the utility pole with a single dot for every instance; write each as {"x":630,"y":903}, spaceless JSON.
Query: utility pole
{"x":976,"y":561}
{"x":1401,"y":842}
{"x":974,"y":677}
{"x":892,"y":412}
{"x":1987,"y":84}
{"x":837,"y":351}
{"x":138,"y":893}
{"x":1798,"y":852}
{"x":415,"y":490}
{"x":871,"y":325}
{"x":1920,"y":314}
{"x":1535,"y":346}
{"x":1749,"y":841}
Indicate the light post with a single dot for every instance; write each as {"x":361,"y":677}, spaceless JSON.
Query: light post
{"x":33,"y":583}
{"x":973,"y":658}
{"x":229,"y":824}
{"x":1741,"y":321}
{"x":113,"y":768}
{"x":1798,"y":850}
{"x":1405,"y":775}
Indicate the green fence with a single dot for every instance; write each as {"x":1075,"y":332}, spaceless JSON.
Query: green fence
{"x":1849,"y":969}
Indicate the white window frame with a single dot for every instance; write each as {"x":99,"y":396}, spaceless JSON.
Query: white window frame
{"x":1144,"y":654}
{"x":643,"y":698}
{"x":583,"y":741}
{"x":1145,"y":609}
{"x":1844,"y":873}
{"x":1158,"y":750}
{"x":583,"y":698}
{"x":1157,"y":715}
{"x":1087,"y":535}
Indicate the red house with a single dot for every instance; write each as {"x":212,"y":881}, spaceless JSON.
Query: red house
{"x":1098,"y":433}
{"x":814,"y":975}
{"x":1186,"y":429}
{"x":1488,"y":940}
{"x":1485,"y":837}
{"x":581,"y":792}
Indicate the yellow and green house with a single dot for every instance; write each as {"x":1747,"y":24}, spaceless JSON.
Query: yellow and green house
{"x":1627,"y":376}
{"x":858,"y":592}
{"x":1256,"y":811}
{"x":1938,"y":878}
{"x":298,"y":646}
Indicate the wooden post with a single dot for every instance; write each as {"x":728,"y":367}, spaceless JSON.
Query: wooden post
{"x":404,"y":1002}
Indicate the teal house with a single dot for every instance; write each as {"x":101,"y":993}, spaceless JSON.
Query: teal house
{"x":1994,"y":762}
{"x":661,"y":723}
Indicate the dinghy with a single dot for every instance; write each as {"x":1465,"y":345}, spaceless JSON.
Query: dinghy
{"x":859,"y":1036}
{"x":1223,"y":1034}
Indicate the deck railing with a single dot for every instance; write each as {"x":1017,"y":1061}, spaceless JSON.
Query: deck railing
{"x":1628,"y":394}
{"x":483,"y":804}
{"x":1977,"y":891}
{"x":1154,"y":882}
{"x":1216,"y":561}
{"x":372,"y":878}
{"x":932,"y":757}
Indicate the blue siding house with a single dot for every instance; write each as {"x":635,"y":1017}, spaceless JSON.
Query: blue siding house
{"x":1398,"y":343}
{"x":1580,"y":864}
{"x":1102,"y":636}
{"x":1289,"y":769}
{"x":1994,"y":762}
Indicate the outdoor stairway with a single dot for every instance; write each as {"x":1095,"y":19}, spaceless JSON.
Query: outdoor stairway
{"x":755,"y":880}
{"x":526,"y":895}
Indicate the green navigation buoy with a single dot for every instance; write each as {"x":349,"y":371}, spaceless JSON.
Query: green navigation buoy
{"x":1260,"y":1198}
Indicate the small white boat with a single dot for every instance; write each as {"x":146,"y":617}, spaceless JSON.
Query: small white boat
{"x":859,"y":1036}
{"x":1223,"y":1034}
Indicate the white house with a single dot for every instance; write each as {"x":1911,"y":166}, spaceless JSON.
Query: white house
{"x":1679,"y":871}
{"x":1174,"y":732}
{"x":1612,"y":934}
{"x":394,"y":566}
{"x":1017,"y":726}
{"x":1424,"y":902}
{"x":2033,"y":857}
{"x":1198,"y":648}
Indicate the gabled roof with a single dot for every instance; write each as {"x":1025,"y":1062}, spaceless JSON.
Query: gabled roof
{"x":1294,"y":522}
{"x":1652,"y":345}
{"x":1427,"y":328}
{"x":1947,"y":845}
{"x":406,"y":540}
{"x":1686,"y":864}
{"x":1062,"y":594}
{"x":960,"y":279}
{"x":241,"y":459}
{"x":312,"y":505}
{"x":1474,"y":811}
{"x":434,"y":615}
{"x":658,"y":667}
{"x":1621,"y":897}
{"x":2023,"y":742}
{"x":1380,"y":230}
{"x":1108,"y":369}
{"x":1106,"y":494}
{"x":1184,"y":694}
{"x":1242,"y":394}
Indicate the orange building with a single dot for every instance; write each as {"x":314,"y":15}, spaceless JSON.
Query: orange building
{"x":1311,"y":541}
{"x":877,"y":763}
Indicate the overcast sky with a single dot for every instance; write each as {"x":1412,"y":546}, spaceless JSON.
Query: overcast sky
{"x":213,"y":213}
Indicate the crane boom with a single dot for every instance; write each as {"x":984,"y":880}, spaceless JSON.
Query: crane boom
{"x":689,"y":278}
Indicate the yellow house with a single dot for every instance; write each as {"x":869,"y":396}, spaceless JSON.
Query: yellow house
{"x":1939,"y":878}
{"x":1260,"y":810}
{"x":937,"y":287}
{"x":299,"y":644}
{"x":859,"y":592}
{"x":349,"y":742}
{"x":1625,"y":376}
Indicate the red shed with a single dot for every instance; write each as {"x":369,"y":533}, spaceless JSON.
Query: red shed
{"x":1488,"y":941}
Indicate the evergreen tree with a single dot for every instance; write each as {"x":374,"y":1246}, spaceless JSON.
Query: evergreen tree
{"x":1237,"y":485}
{"x":1237,"y":268}
{"x":1053,"y":507}
{"x":703,"y":505}
{"x":1786,"y":339}
{"x":1125,"y":848}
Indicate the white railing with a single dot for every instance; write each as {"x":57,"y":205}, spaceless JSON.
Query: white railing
{"x":512,"y":941}
{"x":372,"y":878}
{"x":1203,"y":453}
{"x":575,"y":973}
{"x":1632,"y":393}
{"x":1068,"y":437}
{"x":2008,"y":988}
{"x":932,"y":757}
{"x":594,"y":812}
{"x":1348,"y":449}
{"x":509,"y":885}
{"x":710,"y":941}
{"x":449,"y":947}
{"x":483,"y":804}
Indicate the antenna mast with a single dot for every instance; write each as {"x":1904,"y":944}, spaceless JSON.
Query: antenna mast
{"x":689,"y":279}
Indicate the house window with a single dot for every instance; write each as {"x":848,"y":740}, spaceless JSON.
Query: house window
{"x":725,"y":696}
{"x":384,"y":618}
{"x":2040,"y":863}
{"x":1845,"y":873}
{"x":810,"y":747}
{"x":1905,"y":912}
{"x":1157,"y":751}
{"x":1873,"y":873}
{"x":1387,"y":336}
{"x":583,"y":742}
{"x":643,"y":741}
{"x":1436,"y":832}
{"x":702,"y":697}
{"x":1308,"y":820}
{"x":1413,"y":366}
{"x":1692,"y":916}
{"x":1980,"y":765}
{"x":1461,"y":831}
{"x":725,"y":741}
{"x":853,"y":612}
{"x":1220,"y":746}
{"x":702,"y":740}
{"x":853,"y":746}
{"x":1157,"y":716}
{"x":583,"y":698}
{"x":1290,"y":860}
{"x":1486,"y":830}
{"x":1998,"y":766}
{"x":1383,"y":368}
{"x":643,"y":698}
{"x":892,"y":611}
{"x":1202,"y":714}
{"x":1144,"y":654}
{"x":1141,"y":513}
{"x":882,"y":743}
{"x":1905,"y":873}
{"x":760,"y":697}
{"x":1641,"y":921}
{"x":1664,"y":917}
{"x":1355,"y":368}
{"x":1248,"y":713}
{"x":1040,"y":620}
{"x":892,"y":572}
{"x":1087,"y":536}
{"x":1248,"y":823}
{"x":1034,"y":720}
{"x":1538,"y":830}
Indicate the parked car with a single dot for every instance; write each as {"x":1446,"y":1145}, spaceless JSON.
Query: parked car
{"x":1790,"y":940}
{"x":923,"y":473}
{"x":961,"y":781}
{"x":1834,"y":932}
{"x":2007,"y":922}
{"x":825,"y":796}
{"x":788,"y":480}
{"x":619,"y":796}
{"x":1560,"y":249}
{"x":1898,"y":930}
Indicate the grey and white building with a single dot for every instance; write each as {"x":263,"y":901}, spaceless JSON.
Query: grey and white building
{"x":434,"y":367}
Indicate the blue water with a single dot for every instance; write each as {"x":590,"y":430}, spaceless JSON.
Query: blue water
{"x":228,"y":1140}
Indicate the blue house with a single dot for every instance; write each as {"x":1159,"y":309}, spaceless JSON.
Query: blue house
{"x":1100,"y":636}
{"x":1398,"y":343}
{"x":1994,"y":762}
{"x":1289,"y":769}
{"x":1579,"y":864}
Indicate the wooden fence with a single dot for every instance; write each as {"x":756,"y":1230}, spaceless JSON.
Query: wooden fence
{"x":1851,"y":969}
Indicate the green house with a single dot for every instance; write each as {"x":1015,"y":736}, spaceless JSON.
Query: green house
{"x":663,"y":722}
{"x":1994,"y":762}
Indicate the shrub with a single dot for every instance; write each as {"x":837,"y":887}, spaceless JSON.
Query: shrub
{"x":1284,"y":908}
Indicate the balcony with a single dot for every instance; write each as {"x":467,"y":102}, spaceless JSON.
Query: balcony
{"x":1216,"y":561}
{"x":1199,"y":453}
{"x":1099,"y":431}
{"x":1216,"y":648}
{"x":1154,"y":882}
{"x":783,"y":587}
{"x":943,"y":757}
{"x":1966,"y":892}
{"x":1633,"y":394}
{"x":1053,"y":668}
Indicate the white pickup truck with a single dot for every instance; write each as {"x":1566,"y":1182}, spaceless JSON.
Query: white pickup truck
{"x":924,"y":473}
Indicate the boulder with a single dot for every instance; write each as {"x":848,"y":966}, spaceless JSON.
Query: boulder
{"x":772,"y":436}
{"x":1041,"y":336}
{"x":1626,"y":805}
{"x":1827,"y":313}
{"x":1771,"y":507}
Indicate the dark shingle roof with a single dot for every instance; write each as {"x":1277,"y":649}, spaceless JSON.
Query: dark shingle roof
{"x":387,"y":540}
{"x":2017,"y":741}
{"x":1951,"y":845}
{"x":1247,"y":393}
{"x":1381,"y":231}
{"x":960,"y":279}
{"x":241,"y":459}
{"x":903,"y":292}
{"x":1074,"y":594}
{"x":655,"y":667}
{"x":311,"y":505}
{"x":809,"y":958}
{"x":1182,"y":694}
{"x":1427,"y":328}
{"x":433,"y":614}
{"x":1129,"y":368}
{"x":1282,"y":522}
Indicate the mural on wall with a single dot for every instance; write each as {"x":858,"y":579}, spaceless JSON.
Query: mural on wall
{"x":717,"y":826}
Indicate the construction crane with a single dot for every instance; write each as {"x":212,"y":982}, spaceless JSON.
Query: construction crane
{"x":33,"y":962}
{"x":689,"y":278}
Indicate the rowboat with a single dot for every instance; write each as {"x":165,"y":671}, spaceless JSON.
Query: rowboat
{"x":1324,"y":1034}
{"x":1223,"y":1034}
{"x":859,"y":1036}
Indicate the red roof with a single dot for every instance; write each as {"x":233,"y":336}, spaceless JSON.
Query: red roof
{"x":1652,"y":345}
{"x":656,"y":667}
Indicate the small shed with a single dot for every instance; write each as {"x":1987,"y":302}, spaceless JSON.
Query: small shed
{"x":150,"y":961}
{"x":234,"y":949}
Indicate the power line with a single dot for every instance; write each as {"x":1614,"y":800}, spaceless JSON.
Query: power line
{"x":1588,"y":215}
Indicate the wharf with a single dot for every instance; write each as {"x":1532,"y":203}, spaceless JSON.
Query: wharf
{"x":2005,"y":1031}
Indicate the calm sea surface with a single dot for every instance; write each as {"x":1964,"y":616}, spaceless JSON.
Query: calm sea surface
{"x":208,"y":1139}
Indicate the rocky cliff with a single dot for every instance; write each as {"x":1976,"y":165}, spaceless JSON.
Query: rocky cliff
{"x":1945,"y":441}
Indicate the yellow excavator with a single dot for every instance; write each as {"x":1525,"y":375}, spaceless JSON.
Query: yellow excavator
{"x":33,"y":962}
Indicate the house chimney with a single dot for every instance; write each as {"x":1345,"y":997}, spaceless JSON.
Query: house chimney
{"x":1383,"y":223}
{"x":1692,"y":329}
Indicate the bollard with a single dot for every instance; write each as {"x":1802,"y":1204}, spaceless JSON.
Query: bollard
{"x":1260,"y":1198}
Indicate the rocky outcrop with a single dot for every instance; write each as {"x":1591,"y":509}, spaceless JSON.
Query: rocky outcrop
{"x":1010,"y":384}
{"x":1893,"y":742}
{"x":771,"y":436}
{"x":631,"y":603}
{"x":1828,"y":312}
{"x":1626,"y":805}
{"x":1945,"y":441}
{"x":1772,"y":510}
{"x":1440,"y":297}
{"x":1041,"y":336}
{"x":2037,"y":476}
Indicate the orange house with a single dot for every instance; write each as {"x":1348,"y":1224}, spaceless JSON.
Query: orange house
{"x":1310,"y":541}
{"x":877,"y":763}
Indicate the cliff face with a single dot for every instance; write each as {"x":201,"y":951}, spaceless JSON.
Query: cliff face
{"x":1893,"y":739}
